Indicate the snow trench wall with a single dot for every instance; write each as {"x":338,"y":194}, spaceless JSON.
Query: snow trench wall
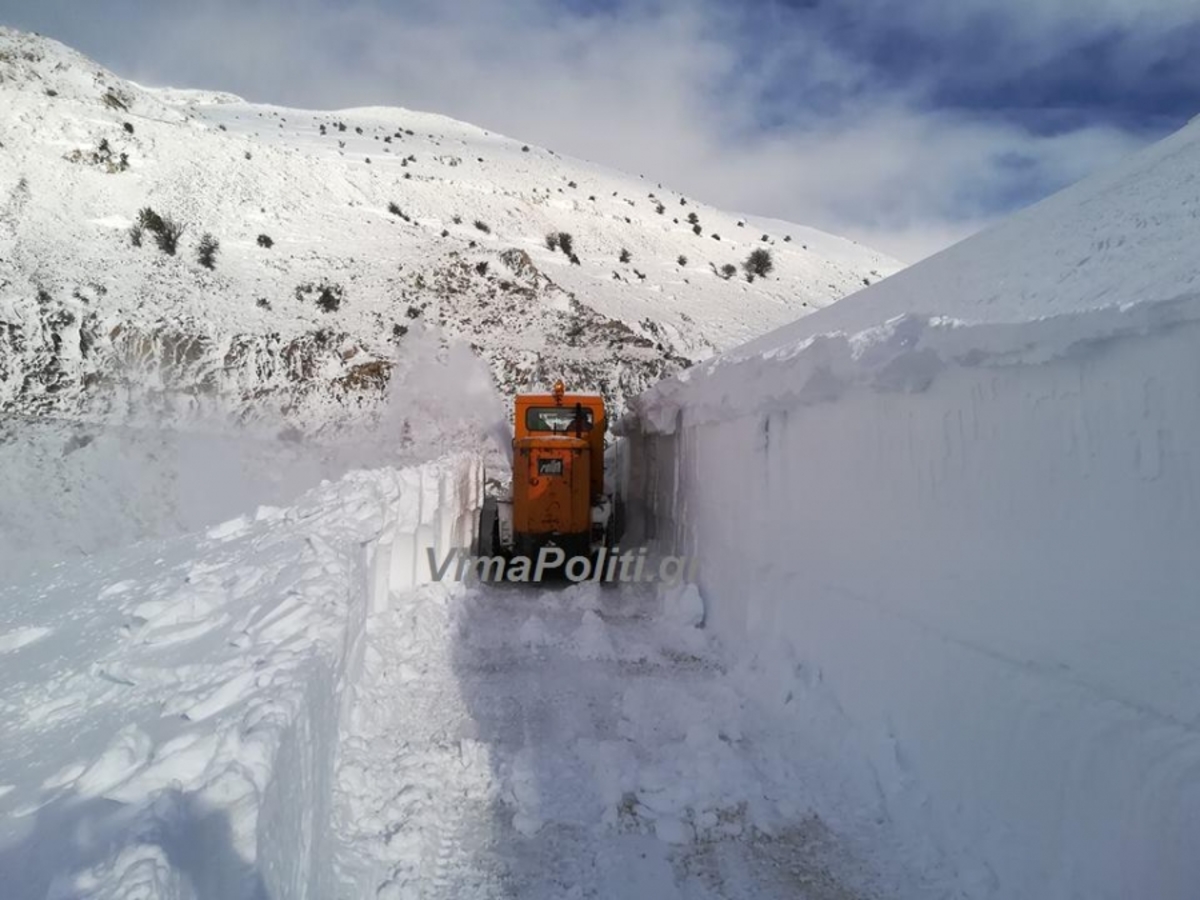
{"x":173,"y":708}
{"x":977,"y":551}
{"x":434,"y":505}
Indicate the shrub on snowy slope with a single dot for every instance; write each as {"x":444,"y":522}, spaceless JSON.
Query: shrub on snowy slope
{"x":561,"y":240}
{"x":166,"y":230}
{"x":759,"y":263}
{"x":328,"y":295}
{"x":206,"y":253}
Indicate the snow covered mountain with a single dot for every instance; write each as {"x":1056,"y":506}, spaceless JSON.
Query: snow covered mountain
{"x":337,"y":235}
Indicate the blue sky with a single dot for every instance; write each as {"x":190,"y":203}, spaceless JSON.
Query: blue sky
{"x":905,"y":124}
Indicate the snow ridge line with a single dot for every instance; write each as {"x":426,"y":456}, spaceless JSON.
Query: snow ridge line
{"x":904,"y":355}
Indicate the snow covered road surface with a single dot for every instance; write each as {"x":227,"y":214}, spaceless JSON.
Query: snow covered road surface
{"x":578,"y":743}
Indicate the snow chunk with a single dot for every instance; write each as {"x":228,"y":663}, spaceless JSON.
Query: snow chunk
{"x":21,"y":637}
{"x":534,"y":633}
{"x":682,"y":605}
{"x":129,"y":751}
{"x":227,"y":530}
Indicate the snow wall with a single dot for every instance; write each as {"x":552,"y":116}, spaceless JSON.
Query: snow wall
{"x":175,"y":706}
{"x":970,"y":556}
{"x":434,"y":505}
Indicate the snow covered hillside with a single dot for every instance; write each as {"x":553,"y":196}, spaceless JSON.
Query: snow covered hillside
{"x":338,"y":234}
{"x":955,"y":518}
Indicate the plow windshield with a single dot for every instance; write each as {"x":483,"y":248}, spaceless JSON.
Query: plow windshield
{"x":557,"y":419}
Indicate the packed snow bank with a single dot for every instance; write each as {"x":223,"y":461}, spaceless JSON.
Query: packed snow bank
{"x":171,"y":711}
{"x":1123,"y":236}
{"x":966,"y":555}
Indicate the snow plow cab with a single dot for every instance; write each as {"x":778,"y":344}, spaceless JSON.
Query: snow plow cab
{"x":558,"y":494}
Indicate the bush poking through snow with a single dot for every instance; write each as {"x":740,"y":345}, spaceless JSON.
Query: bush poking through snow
{"x":135,"y":234}
{"x":330,"y":298}
{"x":102,"y":156}
{"x":574,"y":259}
{"x":483,"y":226}
{"x":206,"y":253}
{"x":625,"y":256}
{"x":481,"y":268}
{"x":682,"y":260}
{"x":759,"y":263}
{"x":696,"y":229}
{"x":561,"y":240}
{"x":328,"y":295}
{"x":149,"y":219}
{"x":114,"y":100}
{"x":264,"y":240}
{"x":167,"y":238}
{"x":166,"y":230}
{"x":395,"y":210}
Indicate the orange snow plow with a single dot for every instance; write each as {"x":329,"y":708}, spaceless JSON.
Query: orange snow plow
{"x":558,"y":497}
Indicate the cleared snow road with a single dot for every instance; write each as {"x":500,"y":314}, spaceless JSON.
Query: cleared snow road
{"x":568,"y":743}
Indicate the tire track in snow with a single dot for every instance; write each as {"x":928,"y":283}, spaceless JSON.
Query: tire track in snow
{"x":568,"y":743}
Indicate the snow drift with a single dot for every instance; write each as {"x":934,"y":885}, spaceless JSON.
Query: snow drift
{"x":171,"y":710}
{"x":953,"y":522}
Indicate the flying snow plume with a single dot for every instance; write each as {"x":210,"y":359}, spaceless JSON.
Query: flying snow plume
{"x":75,"y":488}
{"x":442,"y":395}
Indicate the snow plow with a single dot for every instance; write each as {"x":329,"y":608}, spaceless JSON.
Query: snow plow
{"x":557,"y":498}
